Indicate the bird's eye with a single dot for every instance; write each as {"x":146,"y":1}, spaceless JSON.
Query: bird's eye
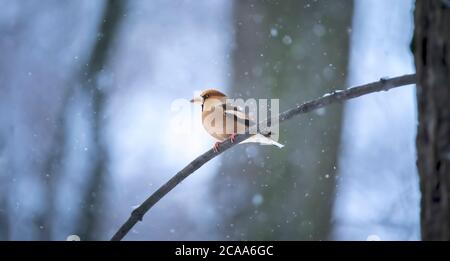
{"x":206,"y":96}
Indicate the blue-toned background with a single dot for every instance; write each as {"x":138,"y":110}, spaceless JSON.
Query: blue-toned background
{"x":88,"y":126}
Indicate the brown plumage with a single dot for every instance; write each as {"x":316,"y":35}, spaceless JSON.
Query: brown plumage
{"x":223,"y":120}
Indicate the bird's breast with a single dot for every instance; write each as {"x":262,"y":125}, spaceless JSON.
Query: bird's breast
{"x":214,"y":122}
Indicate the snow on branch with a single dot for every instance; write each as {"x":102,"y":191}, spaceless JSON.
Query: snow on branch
{"x":383,"y":84}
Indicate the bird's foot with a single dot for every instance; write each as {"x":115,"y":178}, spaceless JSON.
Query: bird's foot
{"x":216,"y":147}
{"x":233,"y":137}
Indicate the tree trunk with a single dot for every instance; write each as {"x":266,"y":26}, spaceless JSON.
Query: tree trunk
{"x":432,"y":58}
{"x":92,"y":212}
{"x":285,"y":48}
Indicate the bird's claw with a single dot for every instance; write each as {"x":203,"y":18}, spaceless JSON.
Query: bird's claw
{"x":216,"y":147}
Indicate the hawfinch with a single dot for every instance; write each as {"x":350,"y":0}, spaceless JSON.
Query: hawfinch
{"x":223,"y":120}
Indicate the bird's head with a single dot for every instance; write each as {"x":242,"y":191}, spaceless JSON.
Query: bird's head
{"x":209,"y":95}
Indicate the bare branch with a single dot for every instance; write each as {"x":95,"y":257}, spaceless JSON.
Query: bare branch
{"x":334,"y":97}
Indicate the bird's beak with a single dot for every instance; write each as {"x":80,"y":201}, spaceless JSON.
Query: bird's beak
{"x":197,"y":100}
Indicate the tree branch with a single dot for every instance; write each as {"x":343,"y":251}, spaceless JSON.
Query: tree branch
{"x":334,"y":97}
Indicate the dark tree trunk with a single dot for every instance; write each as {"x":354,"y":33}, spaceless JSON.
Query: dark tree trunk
{"x":432,"y":58}
{"x":92,"y":213}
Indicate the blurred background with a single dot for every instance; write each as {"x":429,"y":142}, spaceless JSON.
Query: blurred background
{"x":90,"y":127}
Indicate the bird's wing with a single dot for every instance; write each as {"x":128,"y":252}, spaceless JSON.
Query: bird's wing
{"x":238,"y":114}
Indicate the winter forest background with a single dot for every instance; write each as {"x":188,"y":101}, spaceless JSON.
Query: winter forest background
{"x":88,"y":130}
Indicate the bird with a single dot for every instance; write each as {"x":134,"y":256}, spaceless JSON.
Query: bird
{"x":223,"y":120}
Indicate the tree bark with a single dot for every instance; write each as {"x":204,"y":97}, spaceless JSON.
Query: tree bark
{"x":432,"y":58}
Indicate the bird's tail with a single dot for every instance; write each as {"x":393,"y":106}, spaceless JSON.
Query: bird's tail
{"x":264,"y":140}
